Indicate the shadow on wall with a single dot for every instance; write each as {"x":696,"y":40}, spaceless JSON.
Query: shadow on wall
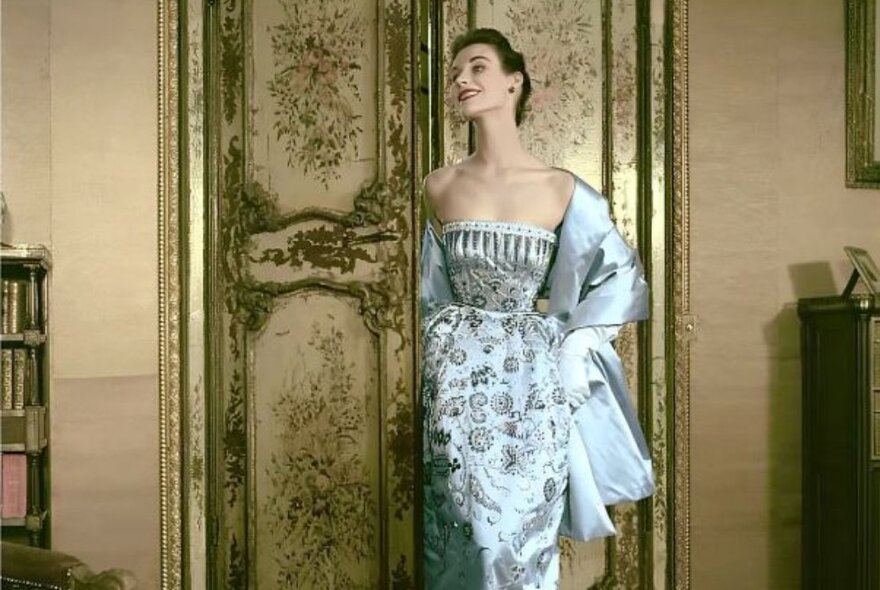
{"x":782,"y":335}
{"x":812,"y":279}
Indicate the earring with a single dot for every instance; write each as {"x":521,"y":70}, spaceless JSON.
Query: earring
{"x":511,"y":90}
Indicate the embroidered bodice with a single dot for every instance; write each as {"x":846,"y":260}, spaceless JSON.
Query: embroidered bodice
{"x":497,"y":265}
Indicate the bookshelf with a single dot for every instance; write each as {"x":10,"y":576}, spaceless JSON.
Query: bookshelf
{"x":24,"y":394}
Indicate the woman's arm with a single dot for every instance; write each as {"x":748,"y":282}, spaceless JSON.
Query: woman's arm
{"x":435,"y":288}
{"x":573,"y":355}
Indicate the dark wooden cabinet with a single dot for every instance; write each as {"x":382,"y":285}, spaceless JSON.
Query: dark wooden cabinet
{"x":840,"y":357}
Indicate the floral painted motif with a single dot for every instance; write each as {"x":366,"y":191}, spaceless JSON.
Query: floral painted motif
{"x":318,"y":478}
{"x":318,"y":50}
{"x":553,"y":35}
{"x":400,"y":444}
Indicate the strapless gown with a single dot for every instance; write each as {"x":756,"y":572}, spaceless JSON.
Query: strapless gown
{"x":496,"y":419}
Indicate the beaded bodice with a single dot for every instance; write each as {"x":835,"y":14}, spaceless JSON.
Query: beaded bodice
{"x":497,"y":265}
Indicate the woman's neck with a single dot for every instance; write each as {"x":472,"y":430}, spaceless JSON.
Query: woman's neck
{"x":498,"y":145}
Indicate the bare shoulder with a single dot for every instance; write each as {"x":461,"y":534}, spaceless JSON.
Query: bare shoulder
{"x":435,"y":185}
{"x":563,"y":184}
{"x":437,"y":181}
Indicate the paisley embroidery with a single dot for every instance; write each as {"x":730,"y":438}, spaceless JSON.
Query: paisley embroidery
{"x":496,"y":431}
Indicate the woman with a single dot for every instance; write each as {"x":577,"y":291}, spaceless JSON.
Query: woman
{"x":527,"y":429}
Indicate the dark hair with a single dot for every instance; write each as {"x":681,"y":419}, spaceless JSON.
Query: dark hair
{"x":511,"y":61}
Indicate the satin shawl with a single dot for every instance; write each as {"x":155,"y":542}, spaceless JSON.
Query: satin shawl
{"x":595,"y":279}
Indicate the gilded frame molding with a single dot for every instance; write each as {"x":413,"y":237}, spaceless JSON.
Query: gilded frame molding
{"x":862,"y":164}
{"x":681,"y":322}
{"x":175,"y":572}
{"x":170,"y":448}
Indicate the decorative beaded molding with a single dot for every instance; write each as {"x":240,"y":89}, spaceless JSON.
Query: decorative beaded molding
{"x":21,"y":583}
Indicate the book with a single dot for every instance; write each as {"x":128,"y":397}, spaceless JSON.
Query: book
{"x":4,"y":307}
{"x":13,"y":487}
{"x":21,"y":302}
{"x":12,"y":306}
{"x":6,"y":379}
{"x":19,"y":375}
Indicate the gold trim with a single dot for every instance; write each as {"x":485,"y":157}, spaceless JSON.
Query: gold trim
{"x":862,"y":167}
{"x":169,"y":298}
{"x":680,"y":295}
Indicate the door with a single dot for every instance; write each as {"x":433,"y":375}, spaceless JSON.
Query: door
{"x":312,"y":476}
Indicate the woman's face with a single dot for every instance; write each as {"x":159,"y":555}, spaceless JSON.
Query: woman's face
{"x":478,"y":84}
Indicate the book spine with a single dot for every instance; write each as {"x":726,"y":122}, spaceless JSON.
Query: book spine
{"x":14,"y":289}
{"x":4,"y":298}
{"x":21,"y":306}
{"x":13,"y":467}
{"x":19,"y":374}
{"x":6,"y":379}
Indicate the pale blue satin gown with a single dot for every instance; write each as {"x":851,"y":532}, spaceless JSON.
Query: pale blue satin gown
{"x":509,"y":464}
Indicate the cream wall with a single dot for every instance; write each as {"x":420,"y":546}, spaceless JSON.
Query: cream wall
{"x":770,"y":216}
{"x":26,"y":119}
{"x":79,"y":166}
